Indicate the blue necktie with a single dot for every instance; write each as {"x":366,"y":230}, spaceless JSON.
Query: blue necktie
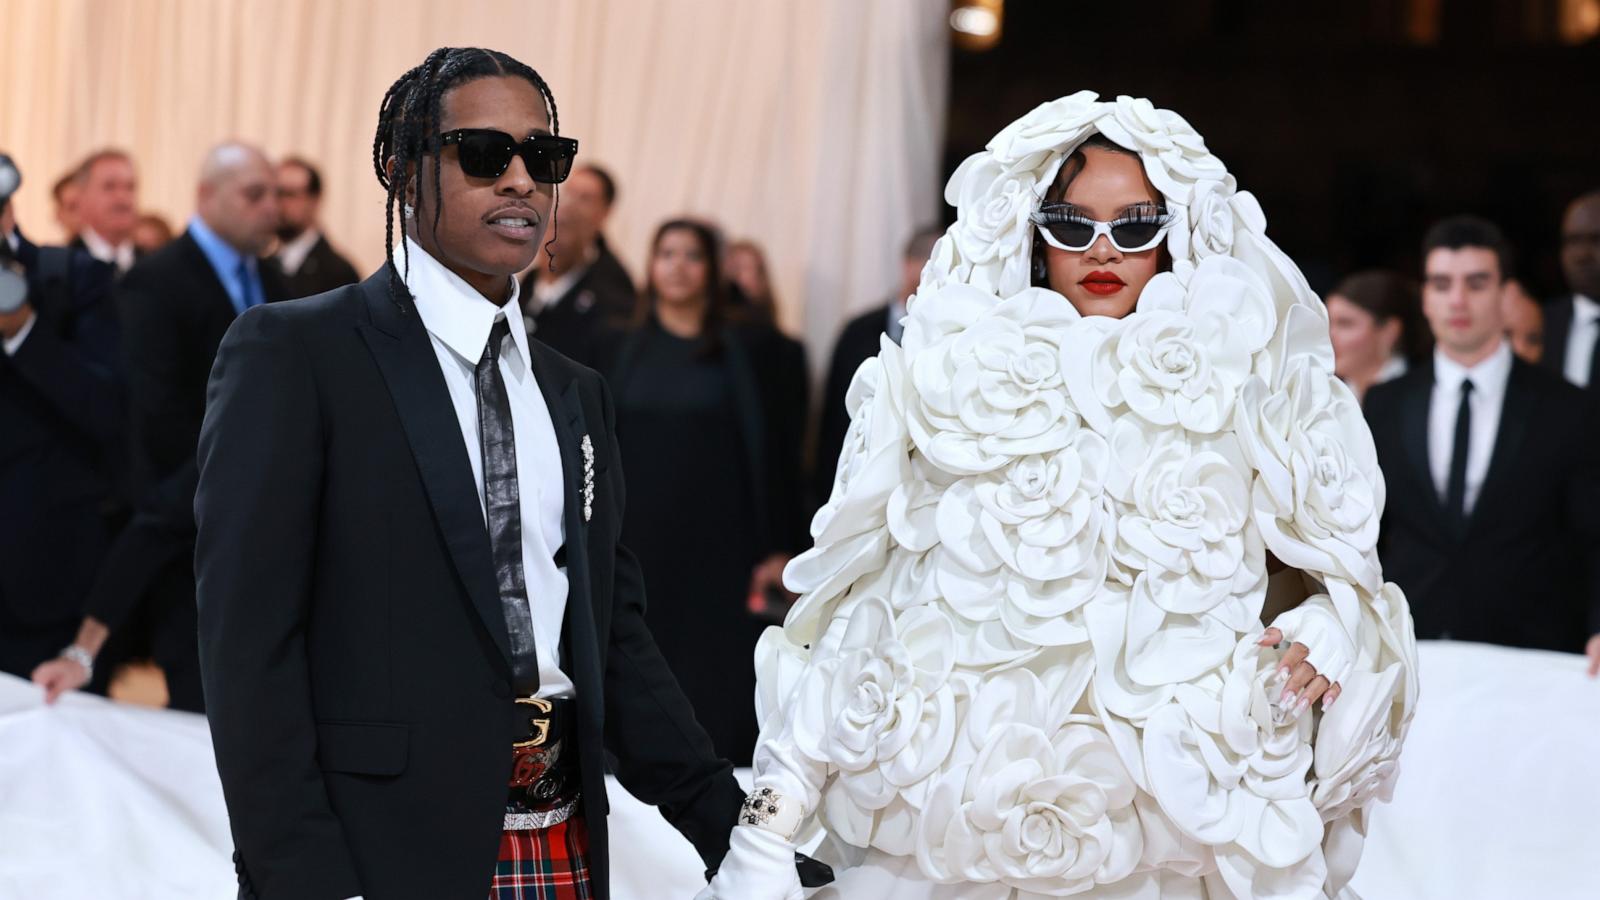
{"x":247,"y":286}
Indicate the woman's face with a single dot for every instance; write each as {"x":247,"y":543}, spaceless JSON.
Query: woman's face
{"x":1360,"y":344}
{"x":679,"y":268}
{"x":746,"y":270}
{"x":489,"y":228}
{"x":1102,"y":280}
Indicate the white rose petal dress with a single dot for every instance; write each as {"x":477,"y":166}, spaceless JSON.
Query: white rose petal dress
{"x":1025,"y":661}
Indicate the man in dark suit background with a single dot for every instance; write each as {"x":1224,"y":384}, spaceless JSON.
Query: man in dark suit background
{"x":1572,"y":322}
{"x":61,"y":417}
{"x":1490,"y":524}
{"x":569,"y":297}
{"x":309,"y":263}
{"x":857,"y":343}
{"x":107,"y":207}
{"x":175,"y":305}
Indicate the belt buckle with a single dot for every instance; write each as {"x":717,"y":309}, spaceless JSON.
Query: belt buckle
{"x":540,"y":728}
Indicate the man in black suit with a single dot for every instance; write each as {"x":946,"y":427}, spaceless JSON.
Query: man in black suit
{"x":61,"y":415}
{"x":419,"y":634}
{"x":857,"y":343}
{"x":583,"y":288}
{"x":107,"y":207}
{"x":1572,"y":322}
{"x":1490,"y":525}
{"x":309,"y":263}
{"x":175,"y":306}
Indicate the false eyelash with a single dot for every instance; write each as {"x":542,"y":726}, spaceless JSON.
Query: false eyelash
{"x":1146,"y":216}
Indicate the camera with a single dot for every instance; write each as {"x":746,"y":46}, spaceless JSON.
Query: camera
{"x":13,"y":277}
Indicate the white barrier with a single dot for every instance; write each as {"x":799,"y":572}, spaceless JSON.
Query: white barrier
{"x":1499,"y":796}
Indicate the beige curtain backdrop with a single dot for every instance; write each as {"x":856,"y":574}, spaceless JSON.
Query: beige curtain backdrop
{"x":811,"y":127}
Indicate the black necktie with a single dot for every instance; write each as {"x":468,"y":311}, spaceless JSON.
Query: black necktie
{"x":503,"y":502}
{"x":1455,"y":494}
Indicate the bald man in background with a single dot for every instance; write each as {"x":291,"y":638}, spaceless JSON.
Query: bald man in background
{"x":175,"y":306}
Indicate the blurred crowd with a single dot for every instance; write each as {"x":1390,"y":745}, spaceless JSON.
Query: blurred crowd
{"x":1478,"y":395}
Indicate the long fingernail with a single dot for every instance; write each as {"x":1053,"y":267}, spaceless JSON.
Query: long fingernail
{"x":1302,"y":706}
{"x":1327,"y":700}
{"x":1286,"y":698}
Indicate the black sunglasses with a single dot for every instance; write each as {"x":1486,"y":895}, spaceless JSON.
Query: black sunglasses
{"x":486,"y":153}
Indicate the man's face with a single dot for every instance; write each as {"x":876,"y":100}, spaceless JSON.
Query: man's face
{"x":241,"y":206}
{"x":297,"y":208}
{"x":582,"y":212}
{"x":108,"y":199}
{"x":485,"y":229}
{"x":1580,"y":246}
{"x":1461,"y":298}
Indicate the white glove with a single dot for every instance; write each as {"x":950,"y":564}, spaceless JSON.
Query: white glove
{"x":1315,"y":623}
{"x":759,"y":866}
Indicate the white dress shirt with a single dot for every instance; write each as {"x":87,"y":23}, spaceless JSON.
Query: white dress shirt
{"x":1489,"y":379}
{"x":1580,"y":340}
{"x":458,"y":320}
{"x":292,"y":254}
{"x":119,"y":255}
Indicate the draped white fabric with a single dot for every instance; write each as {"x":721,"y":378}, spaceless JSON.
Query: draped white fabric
{"x":814,"y":128}
{"x":1497,"y":798}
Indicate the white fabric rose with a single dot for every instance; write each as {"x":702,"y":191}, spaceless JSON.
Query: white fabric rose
{"x":1227,"y":770}
{"x":987,"y":377}
{"x":1320,"y":494}
{"x":1047,"y":127}
{"x":1189,"y":530}
{"x":882,"y":712}
{"x":1044,"y":807}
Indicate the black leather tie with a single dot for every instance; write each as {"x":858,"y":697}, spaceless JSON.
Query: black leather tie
{"x":503,"y":501}
{"x":1455,"y":495}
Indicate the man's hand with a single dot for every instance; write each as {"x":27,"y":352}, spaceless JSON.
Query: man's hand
{"x":1305,"y":685}
{"x":1593,"y":651}
{"x":59,"y":675}
{"x":12,"y":323}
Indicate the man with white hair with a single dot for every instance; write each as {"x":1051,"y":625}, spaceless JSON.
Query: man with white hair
{"x":175,"y":306}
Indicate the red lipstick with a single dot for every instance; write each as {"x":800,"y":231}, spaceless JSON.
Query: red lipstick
{"x":1103,"y":284}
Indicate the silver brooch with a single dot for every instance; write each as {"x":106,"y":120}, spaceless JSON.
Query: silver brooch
{"x":760,"y":807}
{"x":588,"y":478}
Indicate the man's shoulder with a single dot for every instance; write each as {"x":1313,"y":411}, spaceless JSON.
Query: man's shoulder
{"x":1381,"y":398}
{"x":181,"y":254}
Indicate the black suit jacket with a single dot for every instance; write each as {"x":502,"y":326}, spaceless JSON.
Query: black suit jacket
{"x":61,"y":418}
{"x":354,"y":653}
{"x":574,"y":325}
{"x":323,"y":269}
{"x":857,"y":343}
{"x":1522,"y":570}
{"x":1558,"y":315}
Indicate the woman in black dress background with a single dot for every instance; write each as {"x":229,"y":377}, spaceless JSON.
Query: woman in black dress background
{"x":711,"y":474}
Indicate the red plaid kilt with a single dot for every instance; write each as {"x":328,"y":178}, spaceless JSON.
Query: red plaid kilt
{"x":544,"y":864}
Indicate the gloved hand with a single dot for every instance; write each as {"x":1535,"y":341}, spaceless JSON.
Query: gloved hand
{"x":759,"y":866}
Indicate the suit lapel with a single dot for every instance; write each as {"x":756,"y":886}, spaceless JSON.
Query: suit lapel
{"x":580,"y":637}
{"x":208,"y":276}
{"x":1516,"y":412}
{"x":400,"y":345}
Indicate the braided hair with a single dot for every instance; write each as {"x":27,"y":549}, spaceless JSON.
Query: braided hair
{"x":408,"y":130}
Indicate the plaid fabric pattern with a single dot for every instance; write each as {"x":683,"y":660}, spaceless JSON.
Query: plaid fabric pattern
{"x":546,"y":864}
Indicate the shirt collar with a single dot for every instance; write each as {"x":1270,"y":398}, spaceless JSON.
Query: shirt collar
{"x":221,"y":254}
{"x":1488,"y":376}
{"x":1584,"y":309}
{"x":104,"y":250}
{"x":455,"y":313}
{"x":293,"y":253}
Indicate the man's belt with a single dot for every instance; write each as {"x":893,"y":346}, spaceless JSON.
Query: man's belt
{"x":545,"y":778}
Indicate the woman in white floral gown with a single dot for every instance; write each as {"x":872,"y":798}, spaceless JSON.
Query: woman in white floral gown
{"x":1032,"y":656}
